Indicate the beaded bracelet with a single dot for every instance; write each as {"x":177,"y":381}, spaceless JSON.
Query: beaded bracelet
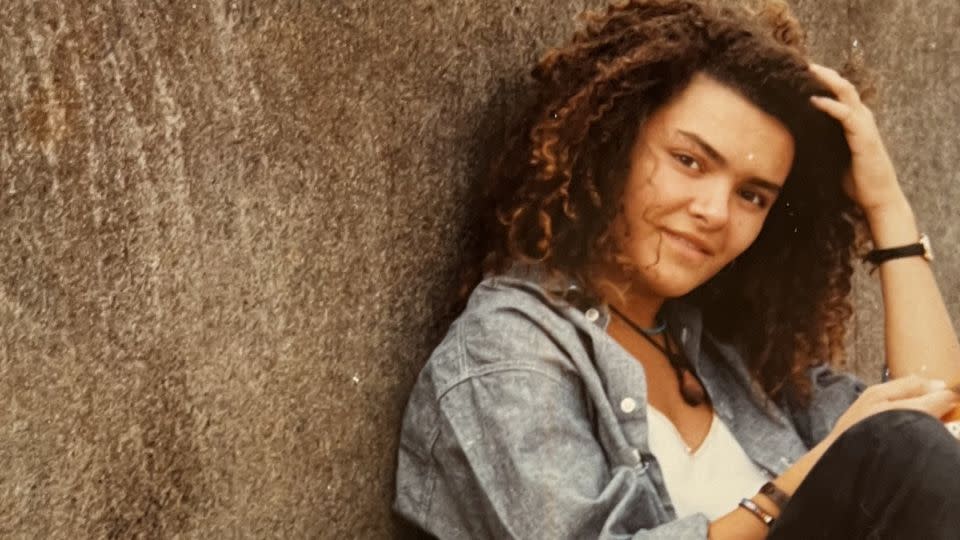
{"x":760,"y":513}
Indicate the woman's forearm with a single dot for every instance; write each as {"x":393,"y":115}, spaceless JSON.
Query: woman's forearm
{"x":740,"y":524}
{"x":919,"y":336}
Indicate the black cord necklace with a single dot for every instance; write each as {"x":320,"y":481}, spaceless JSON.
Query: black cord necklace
{"x":690,"y":386}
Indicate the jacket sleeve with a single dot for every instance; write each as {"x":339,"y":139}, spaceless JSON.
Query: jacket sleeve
{"x":520,"y":458}
{"x":831,"y":394}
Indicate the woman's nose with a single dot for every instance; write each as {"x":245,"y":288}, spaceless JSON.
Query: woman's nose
{"x":710,"y":203}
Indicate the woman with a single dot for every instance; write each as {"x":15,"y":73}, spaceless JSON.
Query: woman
{"x":669,"y":268}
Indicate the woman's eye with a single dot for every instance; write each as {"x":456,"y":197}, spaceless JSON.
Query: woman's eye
{"x":688,"y":161}
{"x":754,"y":197}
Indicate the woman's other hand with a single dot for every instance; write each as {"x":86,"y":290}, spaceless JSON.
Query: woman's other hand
{"x":954,"y":414}
{"x":872,"y":180}
{"x":911,"y":392}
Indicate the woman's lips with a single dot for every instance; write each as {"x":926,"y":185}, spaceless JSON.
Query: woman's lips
{"x":684,"y":247}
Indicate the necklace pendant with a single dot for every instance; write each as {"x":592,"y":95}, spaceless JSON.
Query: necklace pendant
{"x":691,"y":390}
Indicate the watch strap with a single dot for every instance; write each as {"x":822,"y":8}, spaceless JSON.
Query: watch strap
{"x":920,"y":248}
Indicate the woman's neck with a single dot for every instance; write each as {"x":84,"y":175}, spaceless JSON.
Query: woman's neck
{"x":627,"y":295}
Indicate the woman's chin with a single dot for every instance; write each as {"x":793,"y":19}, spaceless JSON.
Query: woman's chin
{"x":671,"y":288}
{"x":676,"y":285}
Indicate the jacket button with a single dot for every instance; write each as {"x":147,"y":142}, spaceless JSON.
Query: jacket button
{"x":628,"y":405}
{"x":592,"y":315}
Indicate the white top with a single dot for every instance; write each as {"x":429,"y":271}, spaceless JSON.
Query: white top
{"x":712,"y":479}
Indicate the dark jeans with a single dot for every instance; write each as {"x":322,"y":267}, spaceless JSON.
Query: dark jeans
{"x":893,"y":475}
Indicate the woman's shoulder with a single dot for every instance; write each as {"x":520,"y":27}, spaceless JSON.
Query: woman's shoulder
{"x":513,"y":321}
{"x":521,"y":292}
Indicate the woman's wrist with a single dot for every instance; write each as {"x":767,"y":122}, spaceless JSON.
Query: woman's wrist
{"x":777,"y":496}
{"x":790,"y":480}
{"x":743,"y":524}
{"x":893,"y":224}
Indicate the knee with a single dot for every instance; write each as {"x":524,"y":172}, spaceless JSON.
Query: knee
{"x":900,"y":428}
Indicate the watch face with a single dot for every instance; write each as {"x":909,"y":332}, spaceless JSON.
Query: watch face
{"x":927,"y":250}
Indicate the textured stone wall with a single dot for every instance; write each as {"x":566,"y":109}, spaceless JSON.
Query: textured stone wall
{"x":913,"y":47}
{"x":228,"y":228}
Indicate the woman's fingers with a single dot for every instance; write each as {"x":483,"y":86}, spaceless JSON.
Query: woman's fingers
{"x":936,"y":403}
{"x":872,"y":182}
{"x":846,"y":107}
{"x":836,"y":109}
{"x":904,"y":388}
{"x":842,"y":88}
{"x":911,"y":392}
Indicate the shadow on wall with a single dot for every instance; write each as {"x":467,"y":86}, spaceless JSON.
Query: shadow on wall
{"x":495,"y":126}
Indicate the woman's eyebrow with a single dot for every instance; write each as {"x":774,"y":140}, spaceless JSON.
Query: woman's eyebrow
{"x":704,"y":146}
{"x":766,"y":184}
{"x":713,"y":154}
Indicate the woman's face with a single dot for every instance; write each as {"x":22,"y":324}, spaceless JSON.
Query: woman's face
{"x":705,"y":170}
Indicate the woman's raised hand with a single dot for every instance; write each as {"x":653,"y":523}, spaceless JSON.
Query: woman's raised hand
{"x":872,"y":181}
{"x":911,"y":392}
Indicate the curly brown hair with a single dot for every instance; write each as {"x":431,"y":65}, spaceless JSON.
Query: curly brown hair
{"x":555,"y":189}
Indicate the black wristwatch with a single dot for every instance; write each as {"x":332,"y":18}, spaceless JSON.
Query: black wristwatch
{"x":921,"y":248}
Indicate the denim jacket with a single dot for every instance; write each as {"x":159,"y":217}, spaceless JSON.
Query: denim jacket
{"x":529,"y":421}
